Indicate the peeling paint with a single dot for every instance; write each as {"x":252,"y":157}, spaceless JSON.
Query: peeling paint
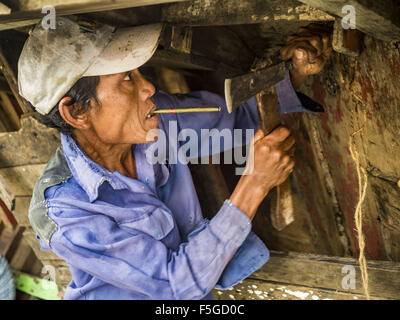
{"x":298,"y":294}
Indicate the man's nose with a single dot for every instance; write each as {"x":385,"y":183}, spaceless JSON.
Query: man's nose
{"x":146,"y":87}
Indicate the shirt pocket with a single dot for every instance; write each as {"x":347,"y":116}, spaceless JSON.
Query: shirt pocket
{"x":157,"y":223}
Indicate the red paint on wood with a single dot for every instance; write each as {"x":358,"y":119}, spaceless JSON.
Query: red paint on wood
{"x":395,"y":67}
{"x":374,"y":246}
{"x":8,"y":215}
{"x":338,"y":112}
{"x":366,"y":88}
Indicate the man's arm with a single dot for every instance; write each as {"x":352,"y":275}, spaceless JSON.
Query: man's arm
{"x":245,"y":117}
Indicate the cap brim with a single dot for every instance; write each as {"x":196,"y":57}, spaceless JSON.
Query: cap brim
{"x":129,"y":49}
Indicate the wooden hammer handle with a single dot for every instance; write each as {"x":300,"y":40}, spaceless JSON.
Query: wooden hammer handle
{"x":282,"y":211}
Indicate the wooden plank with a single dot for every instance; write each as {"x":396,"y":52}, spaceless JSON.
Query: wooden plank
{"x":18,"y":181}
{"x":10,"y":110}
{"x":4,"y":85}
{"x":82,"y":6}
{"x":20,"y":210}
{"x":234,"y":12}
{"x":3,"y":128}
{"x":204,"y":48}
{"x":177,"y":60}
{"x":21,"y":256}
{"x":6,"y":124}
{"x":33,"y":144}
{"x":30,"y":237}
{"x":7,"y":215}
{"x":380,"y":19}
{"x":12,"y":245}
{"x":5,"y":237}
{"x":325,"y":272}
{"x":251,"y":289}
{"x":12,"y":82}
{"x":30,"y":12}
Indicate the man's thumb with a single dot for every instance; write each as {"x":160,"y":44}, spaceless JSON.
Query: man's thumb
{"x":258,"y":135}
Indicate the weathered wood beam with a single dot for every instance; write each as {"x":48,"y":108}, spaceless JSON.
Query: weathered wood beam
{"x":179,"y":60}
{"x":380,"y":19}
{"x":12,"y":245}
{"x":7,"y":216}
{"x":12,"y":82}
{"x":30,"y":12}
{"x":9,"y":110}
{"x":23,"y":155}
{"x":4,"y":85}
{"x":232,"y":12}
{"x":30,"y":238}
{"x":253,"y":289}
{"x":202,"y":48}
{"x":326,"y":272}
{"x":18,"y":182}
{"x":33,"y":144}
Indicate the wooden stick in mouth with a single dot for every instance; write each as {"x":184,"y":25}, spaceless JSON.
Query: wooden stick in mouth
{"x":184,"y":110}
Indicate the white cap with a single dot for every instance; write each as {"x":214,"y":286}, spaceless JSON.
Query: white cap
{"x":52,"y":60}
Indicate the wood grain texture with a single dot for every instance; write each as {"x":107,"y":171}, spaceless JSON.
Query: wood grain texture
{"x":33,"y":144}
{"x":232,"y":12}
{"x":281,"y":210}
{"x":361,"y":95}
{"x":297,"y":276}
{"x":253,"y":289}
{"x":30,"y":12}
{"x":18,"y":181}
{"x":30,"y":237}
{"x":11,"y":78}
{"x":379,"y":19}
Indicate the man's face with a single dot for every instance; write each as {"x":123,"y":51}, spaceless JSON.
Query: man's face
{"x":124,"y":103}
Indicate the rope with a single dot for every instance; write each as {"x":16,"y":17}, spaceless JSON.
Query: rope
{"x":362,"y":191}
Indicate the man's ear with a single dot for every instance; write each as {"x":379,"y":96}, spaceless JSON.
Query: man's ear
{"x":79,"y":121}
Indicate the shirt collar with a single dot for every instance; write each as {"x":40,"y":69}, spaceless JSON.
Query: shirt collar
{"x":90,"y":175}
{"x":86,"y":172}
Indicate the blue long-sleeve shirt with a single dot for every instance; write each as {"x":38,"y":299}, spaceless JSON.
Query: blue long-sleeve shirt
{"x":146,"y":238}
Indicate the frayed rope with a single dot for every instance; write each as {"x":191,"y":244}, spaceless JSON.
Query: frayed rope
{"x":362,"y":190}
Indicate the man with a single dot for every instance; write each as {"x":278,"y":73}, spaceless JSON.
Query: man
{"x":129,"y":229}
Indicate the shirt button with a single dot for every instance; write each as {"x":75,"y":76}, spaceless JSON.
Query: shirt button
{"x":147,"y":180}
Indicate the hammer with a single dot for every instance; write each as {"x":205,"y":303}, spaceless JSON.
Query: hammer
{"x":260,"y":83}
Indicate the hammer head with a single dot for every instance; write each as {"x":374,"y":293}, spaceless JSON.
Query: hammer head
{"x":240,"y":89}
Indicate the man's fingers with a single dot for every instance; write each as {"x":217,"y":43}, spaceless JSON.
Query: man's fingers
{"x":310,"y":52}
{"x":291,"y":151}
{"x":278,"y":135}
{"x":313,"y":40}
{"x":316,"y":67}
{"x":287,"y":144}
{"x":306,"y":63}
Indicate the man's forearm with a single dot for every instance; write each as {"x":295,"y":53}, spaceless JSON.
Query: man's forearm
{"x":247,"y":198}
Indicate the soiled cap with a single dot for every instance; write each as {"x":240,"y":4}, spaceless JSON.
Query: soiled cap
{"x":52,"y":60}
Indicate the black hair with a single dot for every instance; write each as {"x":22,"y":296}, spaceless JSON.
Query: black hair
{"x":82,"y":92}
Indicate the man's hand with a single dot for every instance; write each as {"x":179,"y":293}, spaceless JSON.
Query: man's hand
{"x":271,"y":164}
{"x":309,"y":50}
